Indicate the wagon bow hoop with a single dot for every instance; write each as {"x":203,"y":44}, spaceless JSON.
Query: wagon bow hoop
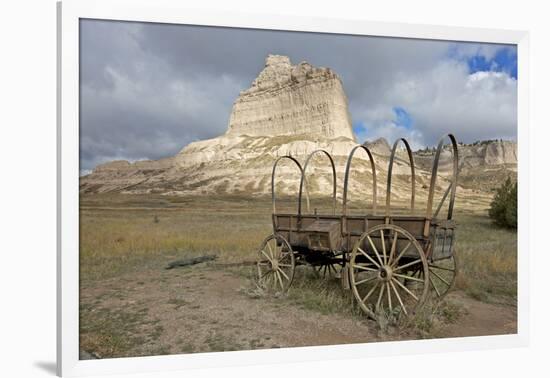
{"x":346,"y":178}
{"x":273,"y":196}
{"x":304,"y":179}
{"x":452,"y":186}
{"x":390,"y":169}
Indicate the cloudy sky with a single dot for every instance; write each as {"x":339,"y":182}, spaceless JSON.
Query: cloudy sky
{"x":147,"y":90}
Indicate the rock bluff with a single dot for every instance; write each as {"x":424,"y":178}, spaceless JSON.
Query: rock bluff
{"x":288,"y":99}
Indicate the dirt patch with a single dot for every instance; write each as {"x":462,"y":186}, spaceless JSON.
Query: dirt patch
{"x":207,"y":309}
{"x":481,"y":318}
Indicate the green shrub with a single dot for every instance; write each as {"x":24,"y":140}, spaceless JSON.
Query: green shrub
{"x":504,"y":207}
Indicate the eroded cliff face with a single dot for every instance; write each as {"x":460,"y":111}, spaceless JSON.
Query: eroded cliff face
{"x":491,"y":153}
{"x":291,"y":110}
{"x":288,"y":110}
{"x":480,"y":155}
{"x":291,"y":100}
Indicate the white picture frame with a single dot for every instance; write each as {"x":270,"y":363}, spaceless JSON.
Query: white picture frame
{"x":69,"y":13}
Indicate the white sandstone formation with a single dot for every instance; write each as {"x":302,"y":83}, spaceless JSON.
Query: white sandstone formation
{"x":292,"y":100}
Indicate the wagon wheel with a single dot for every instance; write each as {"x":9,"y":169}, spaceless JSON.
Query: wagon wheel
{"x":442,"y":276}
{"x":275,"y":264}
{"x":328,"y":270}
{"x":384,"y":267}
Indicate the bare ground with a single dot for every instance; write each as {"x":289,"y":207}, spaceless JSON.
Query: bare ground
{"x":210,"y":308}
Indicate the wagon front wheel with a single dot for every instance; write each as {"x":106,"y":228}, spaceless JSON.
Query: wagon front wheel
{"x":384,"y":272}
{"x":275,"y":265}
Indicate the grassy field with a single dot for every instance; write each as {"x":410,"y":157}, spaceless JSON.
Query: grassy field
{"x":126,"y":241}
{"x":130,"y":233}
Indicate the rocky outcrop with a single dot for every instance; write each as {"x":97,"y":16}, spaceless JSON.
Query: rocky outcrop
{"x":489,"y":153}
{"x":122,"y":175}
{"x":379,"y":146}
{"x":288,"y":110}
{"x":485,"y":154}
{"x":292,"y":100}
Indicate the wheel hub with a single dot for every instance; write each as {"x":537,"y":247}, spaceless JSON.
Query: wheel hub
{"x":385,"y":273}
{"x":274,"y":264}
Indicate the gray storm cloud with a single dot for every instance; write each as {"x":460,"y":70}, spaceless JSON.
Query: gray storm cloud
{"x":149,"y":89}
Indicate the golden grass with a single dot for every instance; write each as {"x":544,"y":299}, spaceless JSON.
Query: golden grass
{"x":114,"y":239}
{"x":121,"y":233}
{"x":487,"y":259}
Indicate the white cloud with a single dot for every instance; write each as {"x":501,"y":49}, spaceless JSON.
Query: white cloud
{"x":445,"y":99}
{"x":391,"y":132}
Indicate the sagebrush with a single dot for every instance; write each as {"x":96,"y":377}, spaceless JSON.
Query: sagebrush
{"x":504,"y":207}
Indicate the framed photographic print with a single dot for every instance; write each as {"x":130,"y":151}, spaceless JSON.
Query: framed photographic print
{"x":284,"y":188}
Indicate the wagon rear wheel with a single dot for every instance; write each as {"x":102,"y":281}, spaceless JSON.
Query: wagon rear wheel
{"x":384,"y":272}
{"x":275,"y":264}
{"x":442,"y":276}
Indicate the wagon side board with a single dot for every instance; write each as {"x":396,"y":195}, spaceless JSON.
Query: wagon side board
{"x":340,"y":233}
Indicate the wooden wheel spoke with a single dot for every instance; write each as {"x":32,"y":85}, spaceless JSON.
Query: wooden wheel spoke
{"x":374,"y":249}
{"x":365,"y":268}
{"x":404,"y":276}
{"x":265,"y":274}
{"x":404,"y":288}
{"x":442,"y":268}
{"x":270,"y":250}
{"x":435,"y":287}
{"x":365,"y":280}
{"x":272,"y":280}
{"x":383,"y":242}
{"x":280,"y":280}
{"x":389,"y":296}
{"x":407,"y":265}
{"x":370,"y":292}
{"x":380,"y":295}
{"x":285,"y":265}
{"x":283,"y":273}
{"x":402,"y":253}
{"x":398,"y":297}
{"x":392,"y":249}
{"x":284,"y":257}
{"x":269,"y":258}
{"x":368,"y":257}
{"x":280,"y":252}
{"x":441,"y":278}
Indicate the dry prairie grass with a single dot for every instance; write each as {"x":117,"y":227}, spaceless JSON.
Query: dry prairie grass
{"x":121,"y":233}
{"x":487,"y":259}
{"x":119,"y":237}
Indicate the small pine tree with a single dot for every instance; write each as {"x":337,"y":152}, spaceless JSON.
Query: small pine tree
{"x":504,"y":207}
